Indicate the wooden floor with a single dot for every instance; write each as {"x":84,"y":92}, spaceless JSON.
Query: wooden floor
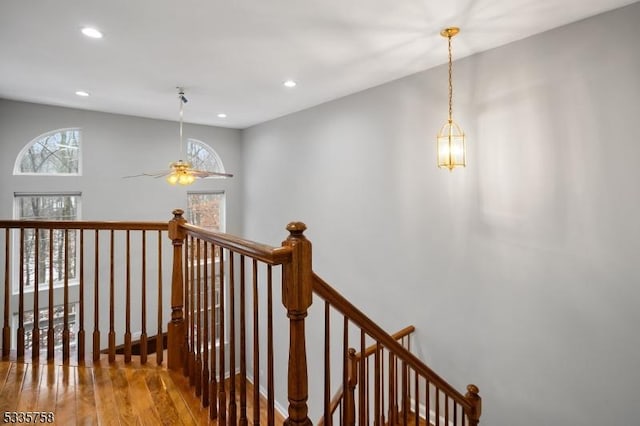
{"x":104,"y":394}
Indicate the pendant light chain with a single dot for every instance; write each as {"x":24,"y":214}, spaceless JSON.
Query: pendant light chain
{"x":450,"y":83}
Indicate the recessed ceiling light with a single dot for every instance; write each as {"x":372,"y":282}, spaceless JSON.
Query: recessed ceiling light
{"x":91,"y":32}
{"x":222,"y":115}
{"x":290,"y":83}
{"x":82,"y":93}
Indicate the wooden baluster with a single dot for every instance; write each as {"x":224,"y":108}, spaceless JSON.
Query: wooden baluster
{"x":187,"y":309}
{"x":112,"y":308}
{"x":256,"y":348}
{"x":127,"y":309}
{"x":35,"y":332}
{"x":327,"y":364}
{"x":213,"y":392}
{"x":350,"y":394}
{"x":404,"y":398}
{"x":176,"y":327}
{"x":367,"y":383}
{"x":345,"y":370}
{"x":198,"y":321}
{"x":473,"y":397}
{"x":270,"y":370}
{"x":50,"y":331}
{"x":382,"y":376}
{"x":6,"y":329}
{"x":438,"y":407}
{"x":393,"y":390}
{"x":416,"y":401}
{"x":96,"y":299}
{"x":192,"y":303}
{"x":446,"y":409}
{"x":143,"y":313}
{"x":297,"y":298}
{"x":362,"y":380}
{"x":222,"y":409}
{"x":81,"y":333}
{"x":377,"y":394}
{"x":427,"y":405}
{"x":66,"y":337}
{"x":243,"y":346}
{"x":205,"y":327}
{"x":233,"y":409}
{"x":455,"y":413}
{"x":159,"y":335}
{"x":20,"y":348}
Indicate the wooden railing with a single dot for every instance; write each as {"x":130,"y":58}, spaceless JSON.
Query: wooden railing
{"x":403,"y":386}
{"x":221,"y":325}
{"x":207,"y":265}
{"x":346,"y":401}
{"x":65,"y":279}
{"x":389,"y":390}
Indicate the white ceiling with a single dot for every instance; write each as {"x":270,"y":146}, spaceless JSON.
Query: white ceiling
{"x":233,"y":55}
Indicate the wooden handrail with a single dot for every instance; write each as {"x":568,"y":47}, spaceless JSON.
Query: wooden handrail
{"x":252,"y":249}
{"x":80,"y":224}
{"x":325,"y":291}
{"x":396,"y":336}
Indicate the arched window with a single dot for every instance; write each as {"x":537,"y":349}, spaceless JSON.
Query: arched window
{"x":203,"y":157}
{"x":52,"y":153}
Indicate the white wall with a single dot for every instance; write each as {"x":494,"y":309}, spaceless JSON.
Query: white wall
{"x":519,"y":271}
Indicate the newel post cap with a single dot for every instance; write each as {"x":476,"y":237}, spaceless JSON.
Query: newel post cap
{"x":296,"y":228}
{"x":175,"y":232}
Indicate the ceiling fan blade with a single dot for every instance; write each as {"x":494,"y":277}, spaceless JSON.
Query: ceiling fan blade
{"x":205,"y":174}
{"x":152,"y":174}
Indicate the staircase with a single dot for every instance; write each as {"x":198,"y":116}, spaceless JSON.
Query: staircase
{"x":225,"y":321}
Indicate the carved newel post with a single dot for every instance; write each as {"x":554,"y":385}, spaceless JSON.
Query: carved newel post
{"x":296,"y":297}
{"x":175,"y":328}
{"x":476,"y":404}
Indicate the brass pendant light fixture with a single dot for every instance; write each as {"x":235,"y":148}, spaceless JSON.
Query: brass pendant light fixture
{"x":450,"y":139}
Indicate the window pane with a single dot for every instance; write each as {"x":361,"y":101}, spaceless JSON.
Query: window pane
{"x":206,"y":210}
{"x":47,"y":207}
{"x":203,"y":157}
{"x":56,"y":152}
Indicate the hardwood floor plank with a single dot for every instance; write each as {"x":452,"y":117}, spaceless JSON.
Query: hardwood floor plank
{"x":184,"y":413}
{"x":140,"y":396}
{"x":48,"y":388}
{"x":85,"y":398}
{"x":167,"y":410}
{"x":187,"y":394}
{"x":30,"y":388}
{"x":65,"y":410}
{"x":4,"y":372}
{"x":106,"y":407}
{"x":122,"y":396}
{"x":10,"y":393}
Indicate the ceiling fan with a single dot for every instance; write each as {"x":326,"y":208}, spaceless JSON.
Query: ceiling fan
{"x":181,"y":172}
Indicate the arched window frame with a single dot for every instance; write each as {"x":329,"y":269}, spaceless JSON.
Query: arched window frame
{"x":27,"y":147}
{"x":210,"y":151}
